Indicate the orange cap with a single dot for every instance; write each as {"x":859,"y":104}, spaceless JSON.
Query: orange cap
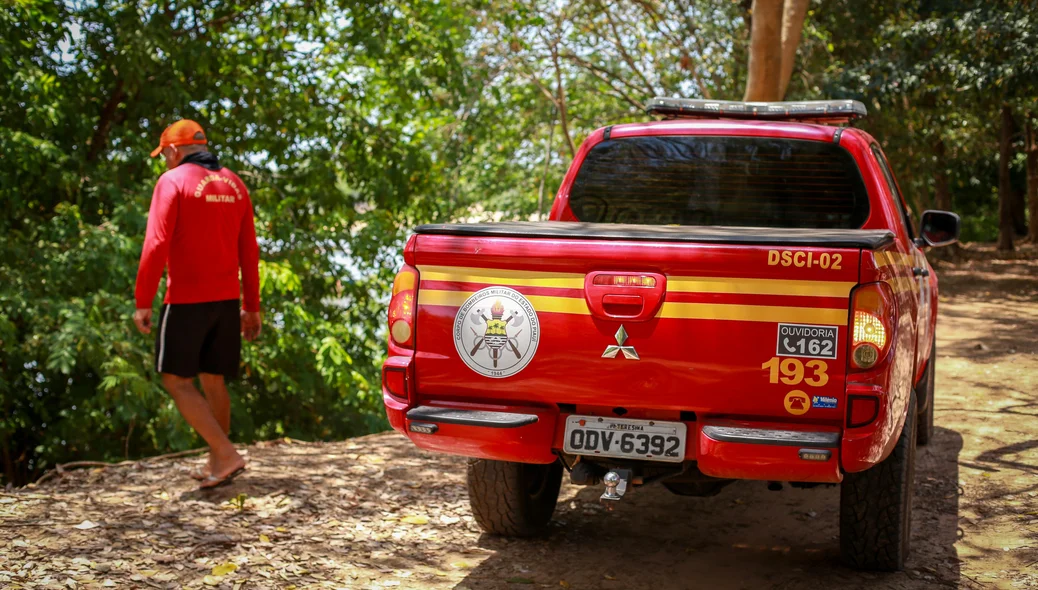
{"x":183,"y":132}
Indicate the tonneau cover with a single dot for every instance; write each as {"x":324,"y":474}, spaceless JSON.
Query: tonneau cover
{"x":836,"y":238}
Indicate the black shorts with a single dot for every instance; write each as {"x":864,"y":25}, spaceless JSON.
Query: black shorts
{"x":195,"y":338}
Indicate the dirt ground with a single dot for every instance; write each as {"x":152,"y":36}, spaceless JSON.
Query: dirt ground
{"x":375,"y":513}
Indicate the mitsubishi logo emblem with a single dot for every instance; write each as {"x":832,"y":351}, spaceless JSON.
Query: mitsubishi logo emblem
{"x":612,"y":350}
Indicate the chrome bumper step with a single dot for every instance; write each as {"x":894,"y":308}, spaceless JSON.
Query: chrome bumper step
{"x":766,"y":436}
{"x":470,"y":417}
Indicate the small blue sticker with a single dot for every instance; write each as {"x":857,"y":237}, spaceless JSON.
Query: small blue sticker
{"x":821,"y":401}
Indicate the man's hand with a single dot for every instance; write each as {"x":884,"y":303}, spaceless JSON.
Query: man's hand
{"x":251,"y":324}
{"x":142,"y":317}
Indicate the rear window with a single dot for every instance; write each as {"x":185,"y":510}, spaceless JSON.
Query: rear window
{"x":726,"y":181}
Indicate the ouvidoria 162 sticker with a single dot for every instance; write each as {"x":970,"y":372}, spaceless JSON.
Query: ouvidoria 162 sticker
{"x":496,"y":332}
{"x":808,"y":341}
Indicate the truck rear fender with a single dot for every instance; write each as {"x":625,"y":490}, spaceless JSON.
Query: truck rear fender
{"x":398,"y":374}
{"x":879,"y":361}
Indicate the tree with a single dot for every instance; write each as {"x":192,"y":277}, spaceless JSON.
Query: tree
{"x":1031,"y":151}
{"x":333,"y":113}
{"x":1005,"y":198}
{"x":934,"y":76}
{"x":776,"y":28}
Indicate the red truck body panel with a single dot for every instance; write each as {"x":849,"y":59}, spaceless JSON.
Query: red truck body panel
{"x":704,"y":335}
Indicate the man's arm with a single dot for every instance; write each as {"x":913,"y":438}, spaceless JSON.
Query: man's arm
{"x":162,"y":219}
{"x":248,"y":260}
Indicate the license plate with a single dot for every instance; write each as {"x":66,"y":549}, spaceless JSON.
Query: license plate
{"x":650,"y":440}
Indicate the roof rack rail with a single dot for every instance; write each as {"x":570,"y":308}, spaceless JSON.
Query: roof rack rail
{"x":815,"y":111}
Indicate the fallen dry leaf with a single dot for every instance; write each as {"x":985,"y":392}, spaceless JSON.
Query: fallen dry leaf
{"x":224,"y":568}
{"x":415,"y":519}
{"x":212,"y":580}
{"x":86,"y":525}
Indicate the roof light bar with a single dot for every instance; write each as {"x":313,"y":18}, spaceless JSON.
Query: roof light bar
{"x":818,"y":111}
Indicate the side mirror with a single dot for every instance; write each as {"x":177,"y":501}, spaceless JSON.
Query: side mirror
{"x":940,"y":228}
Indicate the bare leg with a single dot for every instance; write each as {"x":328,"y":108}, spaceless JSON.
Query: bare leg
{"x":219,"y":400}
{"x":223,"y":458}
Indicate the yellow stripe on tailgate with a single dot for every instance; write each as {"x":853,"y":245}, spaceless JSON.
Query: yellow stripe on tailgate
{"x":541,"y":303}
{"x":690,"y":311}
{"x":677,"y":284}
{"x":754,"y":313}
{"x":522,"y":278}
{"x":759,"y":286}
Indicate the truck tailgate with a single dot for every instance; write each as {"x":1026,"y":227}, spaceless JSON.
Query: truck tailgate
{"x":741,"y":322}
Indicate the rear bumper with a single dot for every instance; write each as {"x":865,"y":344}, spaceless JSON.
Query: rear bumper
{"x":728,"y":449}
{"x":482,"y":431}
{"x":723,"y":449}
{"x":771,"y":452}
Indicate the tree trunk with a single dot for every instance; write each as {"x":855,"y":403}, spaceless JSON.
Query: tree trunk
{"x":775,"y":30}
{"x":763,"y":81}
{"x":99,"y":140}
{"x":5,"y":454}
{"x":560,"y":97}
{"x":1017,"y":203}
{"x":1031,"y":146}
{"x":1019,"y":208}
{"x":942,"y":195}
{"x":792,"y":27}
{"x":1005,"y":209}
{"x":547,"y":161}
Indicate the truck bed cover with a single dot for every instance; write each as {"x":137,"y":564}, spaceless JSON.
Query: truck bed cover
{"x":835,"y":238}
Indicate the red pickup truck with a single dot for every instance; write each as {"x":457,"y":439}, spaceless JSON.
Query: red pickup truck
{"x":734,"y":292}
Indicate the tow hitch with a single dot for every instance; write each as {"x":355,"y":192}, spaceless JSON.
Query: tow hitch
{"x":616,"y":484}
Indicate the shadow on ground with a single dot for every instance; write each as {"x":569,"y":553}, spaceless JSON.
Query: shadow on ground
{"x":745,"y":537}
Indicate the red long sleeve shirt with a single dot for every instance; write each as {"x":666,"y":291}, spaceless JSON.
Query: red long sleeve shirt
{"x":201,"y":227}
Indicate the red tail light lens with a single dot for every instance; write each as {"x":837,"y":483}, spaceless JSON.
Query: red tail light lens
{"x":873,"y":324}
{"x":402,"y":306}
{"x":395,"y":381}
{"x":862,"y":410}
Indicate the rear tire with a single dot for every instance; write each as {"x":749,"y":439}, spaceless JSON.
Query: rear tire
{"x":876,"y":506}
{"x":924,"y":393}
{"x":513,"y":499}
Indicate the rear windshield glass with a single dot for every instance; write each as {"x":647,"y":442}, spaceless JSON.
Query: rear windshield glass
{"x":726,"y":181}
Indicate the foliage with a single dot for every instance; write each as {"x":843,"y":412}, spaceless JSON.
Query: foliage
{"x":337,"y":129}
{"x":934,"y":74}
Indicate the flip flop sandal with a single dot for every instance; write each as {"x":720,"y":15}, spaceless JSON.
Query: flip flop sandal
{"x":198,"y":474}
{"x":212,"y":481}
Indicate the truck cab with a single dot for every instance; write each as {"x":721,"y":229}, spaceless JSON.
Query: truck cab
{"x":734,"y":292}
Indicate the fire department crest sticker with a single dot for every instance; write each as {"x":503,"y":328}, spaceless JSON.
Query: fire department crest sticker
{"x":496,"y":332}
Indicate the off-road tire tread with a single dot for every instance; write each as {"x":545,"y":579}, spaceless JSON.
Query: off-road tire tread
{"x":925,"y":430}
{"x":876,"y":507}
{"x":500,"y":503}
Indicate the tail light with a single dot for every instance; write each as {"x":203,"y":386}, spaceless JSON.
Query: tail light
{"x":862,"y":410}
{"x":402,"y":306}
{"x":625,"y":280}
{"x":873,"y":324}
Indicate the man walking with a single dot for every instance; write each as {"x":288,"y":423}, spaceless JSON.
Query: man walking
{"x":201,"y":228}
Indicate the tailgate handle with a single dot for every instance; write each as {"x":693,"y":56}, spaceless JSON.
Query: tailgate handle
{"x":623,"y":305}
{"x":629,"y":296}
